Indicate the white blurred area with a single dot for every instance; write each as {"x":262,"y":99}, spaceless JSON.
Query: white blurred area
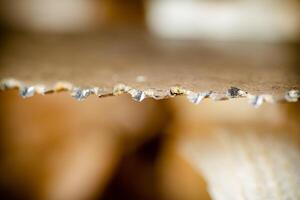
{"x":226,"y":20}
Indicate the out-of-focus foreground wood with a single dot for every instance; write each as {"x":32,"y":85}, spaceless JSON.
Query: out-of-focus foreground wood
{"x":243,"y":153}
{"x":53,"y":147}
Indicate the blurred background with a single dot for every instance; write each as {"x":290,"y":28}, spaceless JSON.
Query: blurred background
{"x":225,"y":20}
{"x":53,"y":147}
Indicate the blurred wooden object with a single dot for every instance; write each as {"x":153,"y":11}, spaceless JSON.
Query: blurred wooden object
{"x":54,"y":147}
{"x":247,"y":163}
{"x":55,"y":16}
{"x":243,"y":153}
{"x":177,"y":179}
{"x":69,"y":16}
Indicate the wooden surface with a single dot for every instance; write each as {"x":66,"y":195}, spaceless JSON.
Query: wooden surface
{"x":110,"y":58}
